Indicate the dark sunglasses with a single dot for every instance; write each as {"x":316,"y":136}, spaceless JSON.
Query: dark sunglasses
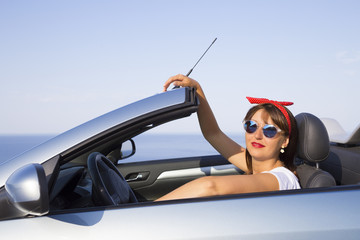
{"x":269,"y":130}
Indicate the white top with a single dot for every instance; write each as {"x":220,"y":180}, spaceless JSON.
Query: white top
{"x":287,"y":180}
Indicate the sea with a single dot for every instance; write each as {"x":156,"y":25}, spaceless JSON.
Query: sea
{"x":148,"y":146}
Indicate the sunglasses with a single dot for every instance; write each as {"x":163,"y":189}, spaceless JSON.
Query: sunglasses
{"x":269,"y":130}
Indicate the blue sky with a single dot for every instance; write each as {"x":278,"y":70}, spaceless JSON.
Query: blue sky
{"x":65,"y":62}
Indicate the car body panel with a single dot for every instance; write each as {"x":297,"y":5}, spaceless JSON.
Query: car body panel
{"x":291,"y":215}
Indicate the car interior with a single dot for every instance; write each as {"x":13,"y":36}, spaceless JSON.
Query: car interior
{"x":94,"y":176}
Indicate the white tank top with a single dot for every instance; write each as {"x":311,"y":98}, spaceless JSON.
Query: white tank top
{"x":287,"y":180}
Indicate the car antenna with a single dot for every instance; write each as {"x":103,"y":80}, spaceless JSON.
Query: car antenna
{"x":198,"y":60}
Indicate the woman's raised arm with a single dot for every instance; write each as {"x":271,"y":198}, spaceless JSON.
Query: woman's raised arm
{"x":209,"y":126}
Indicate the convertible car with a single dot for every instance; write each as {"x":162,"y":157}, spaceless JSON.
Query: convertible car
{"x":78,"y":185}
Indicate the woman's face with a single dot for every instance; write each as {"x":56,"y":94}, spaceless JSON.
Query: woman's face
{"x":260,"y":147}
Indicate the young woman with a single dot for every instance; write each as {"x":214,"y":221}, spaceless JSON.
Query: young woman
{"x":271,"y":135}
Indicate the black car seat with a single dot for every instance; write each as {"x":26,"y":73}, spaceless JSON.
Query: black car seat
{"x":313,"y":148}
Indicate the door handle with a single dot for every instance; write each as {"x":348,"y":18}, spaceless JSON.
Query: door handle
{"x":134,"y":177}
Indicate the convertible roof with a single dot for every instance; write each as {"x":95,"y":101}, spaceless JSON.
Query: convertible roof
{"x":338,"y":135}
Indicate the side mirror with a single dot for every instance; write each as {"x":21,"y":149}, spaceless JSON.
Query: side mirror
{"x":27,"y":191}
{"x":127,"y":149}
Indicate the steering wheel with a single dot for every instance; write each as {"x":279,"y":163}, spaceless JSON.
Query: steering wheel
{"x":109,"y":186}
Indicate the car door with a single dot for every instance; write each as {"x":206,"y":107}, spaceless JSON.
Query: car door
{"x":153,"y":179}
{"x":298,"y":214}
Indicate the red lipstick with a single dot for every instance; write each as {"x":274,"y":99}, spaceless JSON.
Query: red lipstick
{"x":257,"y":145}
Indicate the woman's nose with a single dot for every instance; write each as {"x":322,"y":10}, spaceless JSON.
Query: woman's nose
{"x":258,"y":133}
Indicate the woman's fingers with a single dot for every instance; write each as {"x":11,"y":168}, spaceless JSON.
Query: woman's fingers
{"x":175,"y":80}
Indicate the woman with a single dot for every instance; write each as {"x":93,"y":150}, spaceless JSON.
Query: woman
{"x":271,"y":135}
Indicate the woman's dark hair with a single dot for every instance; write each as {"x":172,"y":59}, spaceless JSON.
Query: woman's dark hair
{"x":279,"y":119}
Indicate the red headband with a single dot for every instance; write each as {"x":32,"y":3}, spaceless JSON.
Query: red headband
{"x":277,"y":104}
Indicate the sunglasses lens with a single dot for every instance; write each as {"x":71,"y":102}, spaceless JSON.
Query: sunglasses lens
{"x":250,"y":126}
{"x":269,"y":131}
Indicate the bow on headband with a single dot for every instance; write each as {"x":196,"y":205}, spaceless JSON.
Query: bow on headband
{"x":277,"y":104}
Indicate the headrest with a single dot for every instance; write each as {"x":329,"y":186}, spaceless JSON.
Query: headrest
{"x":313,"y":138}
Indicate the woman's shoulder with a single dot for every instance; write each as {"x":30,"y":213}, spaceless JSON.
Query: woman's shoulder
{"x":286,"y":178}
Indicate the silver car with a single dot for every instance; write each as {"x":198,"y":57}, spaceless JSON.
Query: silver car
{"x":77,"y":185}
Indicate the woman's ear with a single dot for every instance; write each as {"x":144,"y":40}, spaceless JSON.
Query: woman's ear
{"x":286,"y":142}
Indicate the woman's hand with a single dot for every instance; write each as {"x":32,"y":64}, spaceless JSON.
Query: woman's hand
{"x":181,"y":81}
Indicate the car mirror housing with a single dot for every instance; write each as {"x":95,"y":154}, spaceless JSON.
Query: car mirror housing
{"x":127,"y":149}
{"x":26,"y":192}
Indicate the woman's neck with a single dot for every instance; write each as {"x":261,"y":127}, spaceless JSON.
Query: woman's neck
{"x":261,"y":166}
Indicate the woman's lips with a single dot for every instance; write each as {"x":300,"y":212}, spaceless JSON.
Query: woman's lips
{"x":257,"y":145}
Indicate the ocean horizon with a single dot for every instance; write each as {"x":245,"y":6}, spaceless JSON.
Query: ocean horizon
{"x":148,"y":146}
{"x":13,"y":145}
